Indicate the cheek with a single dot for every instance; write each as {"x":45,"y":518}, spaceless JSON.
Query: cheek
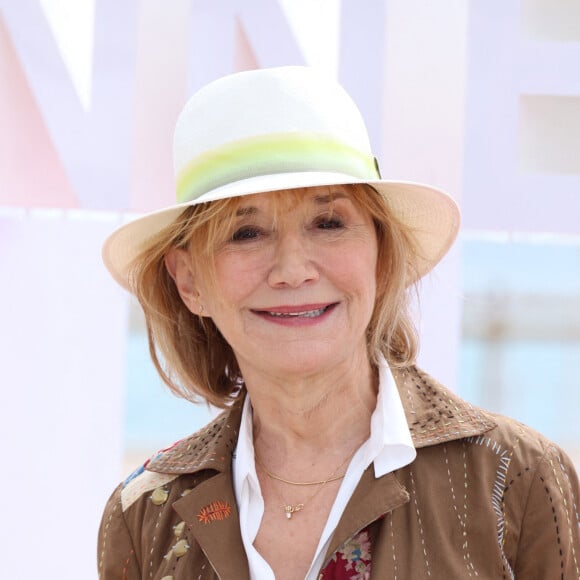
{"x":367,"y":281}
{"x":237,"y":276}
{"x":355,"y":266}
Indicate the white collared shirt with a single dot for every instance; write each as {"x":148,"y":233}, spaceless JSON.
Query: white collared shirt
{"x":389,"y":447}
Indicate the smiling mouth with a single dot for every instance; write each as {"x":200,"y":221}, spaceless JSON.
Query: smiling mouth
{"x":303,"y":314}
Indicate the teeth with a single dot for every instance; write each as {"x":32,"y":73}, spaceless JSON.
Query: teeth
{"x":305,"y":314}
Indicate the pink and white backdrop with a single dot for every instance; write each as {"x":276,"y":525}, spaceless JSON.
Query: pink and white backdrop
{"x":89,"y":92}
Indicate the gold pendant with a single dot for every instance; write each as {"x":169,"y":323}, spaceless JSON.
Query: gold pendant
{"x":291,"y":509}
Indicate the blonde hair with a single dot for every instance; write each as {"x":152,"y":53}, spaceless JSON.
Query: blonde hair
{"x":189,"y":352}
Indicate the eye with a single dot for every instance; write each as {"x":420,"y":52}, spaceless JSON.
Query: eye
{"x":246,"y":233}
{"x":329,"y":223}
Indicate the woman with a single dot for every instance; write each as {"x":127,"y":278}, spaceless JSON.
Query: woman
{"x":277,"y":289}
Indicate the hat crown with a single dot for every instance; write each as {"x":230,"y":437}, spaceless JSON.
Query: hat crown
{"x":282,"y":108}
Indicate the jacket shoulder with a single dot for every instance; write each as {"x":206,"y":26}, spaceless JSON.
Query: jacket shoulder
{"x":210,"y":448}
{"x":518,"y":441}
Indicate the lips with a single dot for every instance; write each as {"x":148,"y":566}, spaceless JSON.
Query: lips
{"x":293,"y":312}
{"x":303,"y":314}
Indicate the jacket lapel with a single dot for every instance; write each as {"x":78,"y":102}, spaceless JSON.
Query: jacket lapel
{"x":434,"y":415}
{"x":209,"y":509}
{"x":212,"y":520}
{"x":371,"y":499}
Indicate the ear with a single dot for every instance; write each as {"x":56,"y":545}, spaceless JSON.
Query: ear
{"x":180,"y":267}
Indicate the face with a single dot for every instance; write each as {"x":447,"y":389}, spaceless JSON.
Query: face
{"x":295,"y":282}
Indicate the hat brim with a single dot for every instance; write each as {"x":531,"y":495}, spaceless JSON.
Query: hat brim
{"x":430,"y":214}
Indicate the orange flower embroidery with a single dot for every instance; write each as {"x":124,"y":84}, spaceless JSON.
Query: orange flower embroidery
{"x":217,"y":510}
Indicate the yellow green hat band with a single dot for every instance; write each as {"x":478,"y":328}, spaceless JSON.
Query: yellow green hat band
{"x":270,"y":154}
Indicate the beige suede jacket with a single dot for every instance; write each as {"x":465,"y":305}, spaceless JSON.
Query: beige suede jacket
{"x":486,"y":497}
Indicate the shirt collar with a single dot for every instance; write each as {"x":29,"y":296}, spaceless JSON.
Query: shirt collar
{"x":389,"y":446}
{"x":390,"y":442}
{"x":245,"y":465}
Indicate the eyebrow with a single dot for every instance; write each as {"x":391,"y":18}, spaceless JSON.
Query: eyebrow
{"x":325,"y":199}
{"x":244,"y":211}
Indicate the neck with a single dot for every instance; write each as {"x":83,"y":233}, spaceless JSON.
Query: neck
{"x":296,"y":419}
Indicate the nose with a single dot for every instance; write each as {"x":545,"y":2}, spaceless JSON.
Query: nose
{"x":293,"y":263}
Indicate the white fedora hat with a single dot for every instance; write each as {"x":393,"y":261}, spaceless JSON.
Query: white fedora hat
{"x":273,"y":129}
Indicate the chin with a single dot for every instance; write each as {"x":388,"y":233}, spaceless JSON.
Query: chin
{"x":305,"y":362}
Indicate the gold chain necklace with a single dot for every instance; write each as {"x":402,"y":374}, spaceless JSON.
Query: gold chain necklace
{"x":289,"y":482}
{"x":290,"y":509}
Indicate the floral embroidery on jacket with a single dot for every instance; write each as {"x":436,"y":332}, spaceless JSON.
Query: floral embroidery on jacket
{"x":352,"y":562}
